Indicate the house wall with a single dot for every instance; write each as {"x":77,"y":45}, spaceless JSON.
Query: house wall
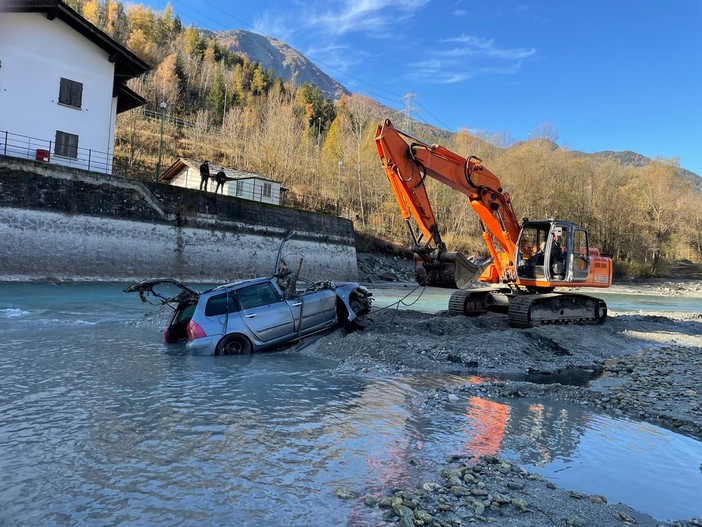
{"x":252,"y":188}
{"x":58,"y":223}
{"x":188,"y":178}
{"x":35,"y":54}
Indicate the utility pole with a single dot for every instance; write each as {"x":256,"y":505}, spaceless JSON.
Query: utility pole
{"x":338,"y":188}
{"x":161,"y":107}
{"x":409,"y":108}
{"x":224,"y":104}
{"x":319,"y":131}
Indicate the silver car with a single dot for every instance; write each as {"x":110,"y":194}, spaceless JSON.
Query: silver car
{"x":250,"y":315}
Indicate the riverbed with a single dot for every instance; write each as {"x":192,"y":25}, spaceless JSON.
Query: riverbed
{"x":103,"y":424}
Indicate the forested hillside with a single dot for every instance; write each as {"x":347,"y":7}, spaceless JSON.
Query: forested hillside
{"x":222,"y":107}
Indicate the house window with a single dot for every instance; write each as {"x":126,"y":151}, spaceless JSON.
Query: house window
{"x":239,"y":188}
{"x":267,"y":190}
{"x":71,"y":93}
{"x":66,"y":144}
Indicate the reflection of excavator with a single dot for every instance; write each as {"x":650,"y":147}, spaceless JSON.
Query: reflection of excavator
{"x":529,"y":260}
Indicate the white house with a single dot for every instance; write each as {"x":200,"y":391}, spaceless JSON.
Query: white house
{"x":240,"y":184}
{"x":62,"y":83}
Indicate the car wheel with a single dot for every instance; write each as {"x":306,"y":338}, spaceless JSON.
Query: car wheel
{"x":234,"y":345}
{"x":361,"y":321}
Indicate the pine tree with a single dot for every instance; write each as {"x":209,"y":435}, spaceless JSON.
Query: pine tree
{"x":215,"y":100}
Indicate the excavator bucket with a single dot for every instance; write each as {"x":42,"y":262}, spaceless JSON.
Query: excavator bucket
{"x":450,"y":271}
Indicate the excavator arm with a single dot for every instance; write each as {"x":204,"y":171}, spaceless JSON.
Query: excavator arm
{"x":408,"y":162}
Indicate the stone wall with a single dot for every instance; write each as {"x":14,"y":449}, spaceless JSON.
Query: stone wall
{"x":59,"y":223}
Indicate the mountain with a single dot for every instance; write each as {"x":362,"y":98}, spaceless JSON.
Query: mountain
{"x":285,"y":62}
{"x":629,"y":158}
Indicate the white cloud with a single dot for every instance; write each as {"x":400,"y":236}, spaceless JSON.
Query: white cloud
{"x":485,"y":47}
{"x":329,"y":19}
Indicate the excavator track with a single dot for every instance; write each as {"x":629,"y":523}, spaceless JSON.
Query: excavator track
{"x":526,"y":311}
{"x":478,"y":302}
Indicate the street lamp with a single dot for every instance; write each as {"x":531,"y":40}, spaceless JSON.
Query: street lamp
{"x":338,"y":188}
{"x":162,"y":107}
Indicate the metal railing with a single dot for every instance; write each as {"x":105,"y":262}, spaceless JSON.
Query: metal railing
{"x":25,"y":147}
{"x":168,"y":118}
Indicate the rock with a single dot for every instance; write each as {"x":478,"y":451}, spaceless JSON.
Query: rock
{"x":520,"y":504}
{"x":459,"y":490}
{"x":344,"y":493}
{"x":385,"y":503}
{"x":624,"y":517}
{"x":423,"y":516}
{"x":405,"y":514}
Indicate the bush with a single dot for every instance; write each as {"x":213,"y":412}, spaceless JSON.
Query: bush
{"x":631,"y":270}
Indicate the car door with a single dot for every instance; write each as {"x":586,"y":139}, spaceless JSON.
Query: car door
{"x":314,"y":310}
{"x":265,"y":312}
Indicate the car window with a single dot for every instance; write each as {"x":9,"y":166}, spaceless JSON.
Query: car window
{"x":186,"y":313}
{"x":219,"y":305}
{"x":257,"y":295}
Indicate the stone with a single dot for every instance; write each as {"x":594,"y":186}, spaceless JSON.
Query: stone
{"x":344,"y":493}
{"x":520,"y":504}
{"x":459,"y":490}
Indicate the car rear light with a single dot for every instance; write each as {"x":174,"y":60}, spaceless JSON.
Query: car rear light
{"x":195,"y":331}
{"x":165,"y":336}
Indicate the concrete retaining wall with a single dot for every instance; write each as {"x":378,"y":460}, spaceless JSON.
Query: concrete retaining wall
{"x":67,"y":224}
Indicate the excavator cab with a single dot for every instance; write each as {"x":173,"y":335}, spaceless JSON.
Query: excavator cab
{"x":552,"y":251}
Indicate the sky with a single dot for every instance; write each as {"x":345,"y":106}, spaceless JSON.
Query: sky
{"x":597,"y":74}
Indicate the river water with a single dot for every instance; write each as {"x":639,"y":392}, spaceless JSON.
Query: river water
{"x":103,"y":424}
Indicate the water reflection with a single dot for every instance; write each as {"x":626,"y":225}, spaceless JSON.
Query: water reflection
{"x":644,"y":466}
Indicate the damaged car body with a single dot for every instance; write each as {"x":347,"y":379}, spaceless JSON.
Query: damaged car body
{"x":255,"y":314}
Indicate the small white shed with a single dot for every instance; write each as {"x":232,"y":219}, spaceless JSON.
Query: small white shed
{"x":240,"y":184}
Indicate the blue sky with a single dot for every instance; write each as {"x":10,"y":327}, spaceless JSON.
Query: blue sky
{"x":604,"y":75}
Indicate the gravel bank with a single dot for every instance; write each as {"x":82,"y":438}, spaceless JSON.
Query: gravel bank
{"x":648,"y":367}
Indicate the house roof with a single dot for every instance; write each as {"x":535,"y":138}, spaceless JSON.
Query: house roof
{"x":127,"y":64}
{"x":183,"y":163}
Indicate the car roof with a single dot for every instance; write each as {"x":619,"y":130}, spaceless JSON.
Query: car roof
{"x":239,"y":283}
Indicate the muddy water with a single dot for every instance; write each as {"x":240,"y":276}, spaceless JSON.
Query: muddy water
{"x":102,"y":424}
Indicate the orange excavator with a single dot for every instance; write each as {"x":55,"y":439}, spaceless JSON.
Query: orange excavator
{"x":528,"y":260}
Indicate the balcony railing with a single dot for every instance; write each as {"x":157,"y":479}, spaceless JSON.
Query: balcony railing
{"x":25,"y":147}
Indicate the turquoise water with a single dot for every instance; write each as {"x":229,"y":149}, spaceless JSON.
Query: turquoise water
{"x":103,"y":424}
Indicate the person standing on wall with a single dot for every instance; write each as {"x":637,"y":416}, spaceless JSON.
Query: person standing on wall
{"x":204,"y":174}
{"x":220,"y":178}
